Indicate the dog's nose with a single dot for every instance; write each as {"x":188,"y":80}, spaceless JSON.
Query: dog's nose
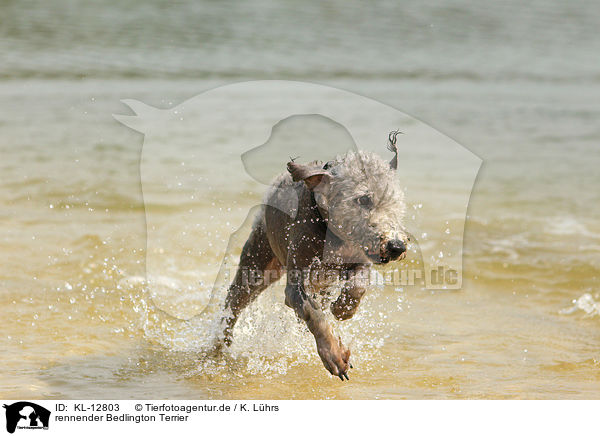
{"x":395,"y":248}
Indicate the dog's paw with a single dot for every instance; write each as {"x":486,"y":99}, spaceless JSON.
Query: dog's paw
{"x":335,"y":357}
{"x":344,"y":308}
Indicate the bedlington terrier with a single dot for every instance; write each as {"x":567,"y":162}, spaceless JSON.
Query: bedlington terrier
{"x":320,"y":223}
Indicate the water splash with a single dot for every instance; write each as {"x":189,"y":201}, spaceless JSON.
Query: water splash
{"x":585,"y":303}
{"x":268,"y":338}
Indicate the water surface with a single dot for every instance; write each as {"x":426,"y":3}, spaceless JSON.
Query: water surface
{"x":518,"y":85}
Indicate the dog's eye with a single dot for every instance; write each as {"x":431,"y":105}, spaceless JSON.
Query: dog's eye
{"x":365,"y":201}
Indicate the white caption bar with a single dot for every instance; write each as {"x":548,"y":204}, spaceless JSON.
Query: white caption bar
{"x":23,"y":417}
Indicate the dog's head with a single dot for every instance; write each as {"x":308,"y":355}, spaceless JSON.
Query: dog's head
{"x":364,"y":206}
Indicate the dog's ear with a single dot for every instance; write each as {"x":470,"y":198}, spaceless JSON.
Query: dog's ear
{"x":311,"y":174}
{"x":393,"y":148}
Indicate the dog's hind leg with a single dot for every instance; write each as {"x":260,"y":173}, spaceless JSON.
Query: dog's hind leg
{"x":258,"y":268}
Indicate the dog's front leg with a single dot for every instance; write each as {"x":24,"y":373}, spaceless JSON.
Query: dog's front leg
{"x":346,"y":305}
{"x":333,"y":353}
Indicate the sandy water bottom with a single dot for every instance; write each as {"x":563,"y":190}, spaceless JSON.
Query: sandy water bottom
{"x":79,"y":321}
{"x":98,"y":334}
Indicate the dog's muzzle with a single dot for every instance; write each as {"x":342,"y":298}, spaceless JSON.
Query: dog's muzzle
{"x":396,"y":249}
{"x":390,"y":251}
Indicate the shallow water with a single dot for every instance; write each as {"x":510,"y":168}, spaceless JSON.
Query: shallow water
{"x":79,"y":318}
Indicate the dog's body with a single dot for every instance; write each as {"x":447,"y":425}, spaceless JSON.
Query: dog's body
{"x":320,"y":221}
